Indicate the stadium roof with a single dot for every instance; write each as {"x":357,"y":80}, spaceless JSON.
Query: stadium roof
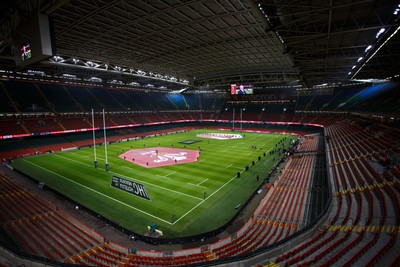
{"x":215,"y":42}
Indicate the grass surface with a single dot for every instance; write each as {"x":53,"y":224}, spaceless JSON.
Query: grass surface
{"x":177,"y":189}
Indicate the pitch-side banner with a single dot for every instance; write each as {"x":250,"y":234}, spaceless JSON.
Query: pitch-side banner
{"x":130,"y":187}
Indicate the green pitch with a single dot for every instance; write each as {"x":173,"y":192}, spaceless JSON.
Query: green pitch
{"x":185,"y":199}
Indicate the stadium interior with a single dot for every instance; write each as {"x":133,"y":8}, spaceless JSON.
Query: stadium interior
{"x":324,"y":71}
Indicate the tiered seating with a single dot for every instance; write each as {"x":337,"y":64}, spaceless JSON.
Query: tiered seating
{"x":340,"y":97}
{"x":155,"y":260}
{"x":380,"y":98}
{"x":178,"y":100}
{"x":122,"y":120}
{"x":11,"y":127}
{"x":20,"y":203}
{"x":396,"y":171}
{"x":104,"y":98}
{"x":325,"y":119}
{"x":277,"y":218}
{"x":124,"y":100}
{"x":5,"y":104}
{"x":15,"y":148}
{"x":75,"y":123}
{"x":106,"y":254}
{"x":355,"y":179}
{"x":310,"y":143}
{"x":26,"y":97}
{"x":37,"y":232}
{"x":54,"y":143}
{"x":284,"y":221}
{"x":85,"y":99}
{"x":193,"y":101}
{"x":42,"y":125}
{"x":363,"y":198}
{"x":40,"y":227}
{"x":59,"y":98}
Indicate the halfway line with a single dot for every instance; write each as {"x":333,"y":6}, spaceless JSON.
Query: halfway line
{"x":177,"y":192}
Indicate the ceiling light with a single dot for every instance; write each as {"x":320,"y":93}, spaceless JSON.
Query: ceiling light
{"x":353,"y":67}
{"x":368,"y":48}
{"x":359,"y":59}
{"x":58,"y":58}
{"x":376,"y":51}
{"x":95,"y":79}
{"x":380,"y":32}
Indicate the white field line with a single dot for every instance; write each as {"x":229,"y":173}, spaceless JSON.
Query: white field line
{"x":184,"y":215}
{"x":188,"y":212}
{"x":270,"y":158}
{"x":202,"y":182}
{"x":202,"y":200}
{"x":197,"y":185}
{"x":104,"y":195}
{"x":91,"y":157}
{"x":163,"y":176}
{"x":267,"y":161}
{"x":177,"y":192}
{"x":223,"y":165}
{"x":166,"y":176}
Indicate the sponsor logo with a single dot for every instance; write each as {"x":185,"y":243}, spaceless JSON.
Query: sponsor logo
{"x":130,"y":186}
{"x":220,"y":136}
{"x":163,"y":157}
{"x":189,"y":142}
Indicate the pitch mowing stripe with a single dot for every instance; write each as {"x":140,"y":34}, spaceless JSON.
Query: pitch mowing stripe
{"x":202,"y":182}
{"x":218,"y":164}
{"x":166,"y":176}
{"x":213,"y":193}
{"x":95,"y":191}
{"x":197,"y":185}
{"x":200,"y":161}
{"x":188,"y":212}
{"x":229,"y":158}
{"x":177,"y":192}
